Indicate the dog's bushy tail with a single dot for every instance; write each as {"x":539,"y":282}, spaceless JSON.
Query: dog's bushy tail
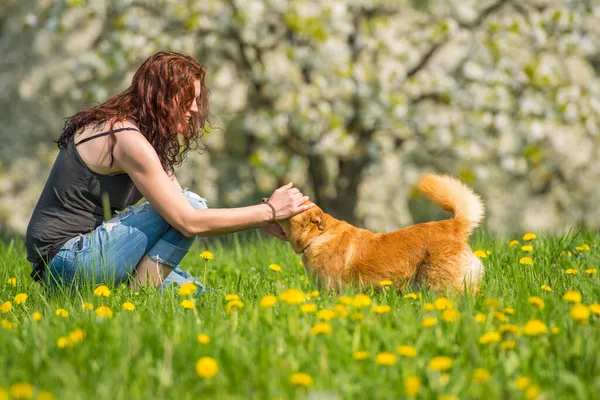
{"x":452,"y":195}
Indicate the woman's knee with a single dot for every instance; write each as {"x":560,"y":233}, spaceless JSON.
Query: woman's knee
{"x":195,"y":201}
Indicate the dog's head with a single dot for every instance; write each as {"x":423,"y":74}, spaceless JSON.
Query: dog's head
{"x":302,"y":228}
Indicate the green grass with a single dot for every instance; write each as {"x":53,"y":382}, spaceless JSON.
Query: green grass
{"x":152,"y":351}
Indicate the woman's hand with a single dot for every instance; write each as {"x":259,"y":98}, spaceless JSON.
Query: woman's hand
{"x":274,"y":229}
{"x":287,"y":201}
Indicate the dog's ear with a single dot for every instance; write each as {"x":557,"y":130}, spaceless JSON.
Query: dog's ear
{"x":319,"y":220}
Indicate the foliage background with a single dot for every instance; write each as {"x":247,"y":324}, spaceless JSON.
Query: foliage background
{"x":351,"y":100}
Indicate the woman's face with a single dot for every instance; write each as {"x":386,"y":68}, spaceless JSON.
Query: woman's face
{"x":194,"y":106}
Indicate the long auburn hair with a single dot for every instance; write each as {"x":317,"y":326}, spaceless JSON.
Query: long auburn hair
{"x":161,"y":93}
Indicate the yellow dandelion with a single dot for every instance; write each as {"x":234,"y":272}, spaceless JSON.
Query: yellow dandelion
{"x":479,"y":317}
{"x":188,"y":304}
{"x":532,"y":392}
{"x":554,"y":330}
{"x":326,"y":315}
{"x":187,"y":289}
{"x":386,"y":282}
{"x":522,"y":382}
{"x":301,"y":379}
{"x":440,"y":363}
{"x":536,"y":302}
{"x":37,"y":316}
{"x":44,"y":395}
{"x":412,"y":384}
{"x":268,"y":301}
{"x":345,"y":300}
{"x":275,"y":267}
{"x":583,"y":247}
{"x":76,"y":337}
{"x":87,"y":306}
{"x":231,"y":297}
{"x":233,"y":304}
{"x":321,"y":328}
{"x":591,"y":271}
{"x":526,"y":261}
{"x":12,"y":281}
{"x":360,"y":355}
{"x":595,"y":308}
{"x":490,"y":337}
{"x":513,"y":243}
{"x":386,"y":358}
{"x":535,"y":327}
{"x":128,"y":306}
{"x":568,"y":252}
{"x":207,"y":255}
{"x":428,"y":307}
{"x":21,"y":390}
{"x":207,"y":367}
{"x":361,"y":301}
{"x":411,"y":296}
{"x":447,"y":397}
{"x":508,"y":345}
{"x":358,"y":317}
{"x":292,"y":296}
{"x":21,"y":298}
{"x":61,"y":312}
{"x":509,"y":311}
{"x":580,"y":313}
{"x":62,"y":342}
{"x":491,"y":303}
{"x":481,"y":375}
{"x":340,"y":310}
{"x":498,"y":316}
{"x":104,"y":312}
{"x":8,"y":325}
{"x":546,"y":288}
{"x":509,"y":328}
{"x":381,"y":309}
{"x":308,"y":308}
{"x":102,"y":291}
{"x":6,"y":307}
{"x":442,"y":303}
{"x":572,"y":297}
{"x":480,"y":253}
{"x":203,"y":338}
{"x":314,"y":293}
{"x":529,"y":236}
{"x":571,"y":271}
{"x":450,"y":315}
{"x":407,"y":351}
{"x":429,"y":322}
{"x":527,"y":248}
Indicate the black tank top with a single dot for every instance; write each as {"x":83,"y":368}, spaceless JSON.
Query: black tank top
{"x":71,"y":203}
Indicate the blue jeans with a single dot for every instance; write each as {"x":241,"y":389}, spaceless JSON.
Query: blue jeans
{"x":110,"y":253}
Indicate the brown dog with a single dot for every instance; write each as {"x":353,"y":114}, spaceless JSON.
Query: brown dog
{"x":434,"y":254}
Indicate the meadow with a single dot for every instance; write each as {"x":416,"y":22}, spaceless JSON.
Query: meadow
{"x":265,"y":332}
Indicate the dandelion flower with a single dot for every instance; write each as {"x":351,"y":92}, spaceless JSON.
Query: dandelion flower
{"x":508,"y":345}
{"x":361,"y":301}
{"x":429,"y":322}
{"x":21,"y":298}
{"x":481,"y":375}
{"x":308,"y":308}
{"x":12,"y":281}
{"x":8,"y":325}
{"x":591,"y":271}
{"x":572,"y":297}
{"x":568,"y":252}
{"x":580,"y":313}
{"x":275,"y":267}
{"x":386,"y":282}
{"x":546,"y":288}
{"x":522,"y":382}
{"x":44,"y":395}
{"x":207,"y":255}
{"x":536,"y":302}
{"x":411,"y":296}
{"x":102,"y":291}
{"x":509,"y":311}
{"x":345,"y":300}
{"x":498,"y":316}
{"x":595,"y":308}
{"x":6,"y":306}
{"x":233,"y":304}
{"x":428,"y":307}
{"x":513,"y":243}
{"x":450,"y":315}
{"x":314,"y":293}
{"x":480,"y":254}
{"x":21,"y":390}
{"x":301,"y":379}
{"x":207,"y":367}
{"x":128,"y":306}
{"x":509,"y":328}
{"x":87,"y":306}
{"x":231,"y":296}
{"x":442,"y":303}
{"x":490,"y":337}
{"x":187,"y":288}
{"x":571,"y":271}
{"x":554,"y":330}
{"x":479,"y":317}
{"x":386,"y":358}
{"x":321,"y":328}
{"x":412,"y":384}
{"x":340,"y":310}
{"x":526,"y":261}
{"x":61,"y":312}
{"x":529,"y":236}
{"x":583,"y":247}
{"x":104,"y":312}
{"x":407,"y":351}
{"x":358,"y":317}
{"x":292,"y":296}
{"x":268,"y":301}
{"x":203,"y":339}
{"x":326,"y":315}
{"x":535,"y":327}
{"x":360,"y":355}
{"x":491,"y":303}
{"x":440,"y":363}
{"x":37,"y":316}
{"x":532,"y":392}
{"x":527,"y":248}
{"x":381,"y":309}
{"x":76,"y":337}
{"x":187,"y":304}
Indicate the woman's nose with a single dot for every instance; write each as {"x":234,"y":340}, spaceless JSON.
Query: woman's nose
{"x":194,"y":107}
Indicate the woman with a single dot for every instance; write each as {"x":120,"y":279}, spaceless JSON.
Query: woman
{"x":116,"y":153}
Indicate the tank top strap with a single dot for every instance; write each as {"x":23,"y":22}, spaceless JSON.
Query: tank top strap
{"x":104,"y":134}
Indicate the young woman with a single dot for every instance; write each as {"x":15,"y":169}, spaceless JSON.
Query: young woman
{"x":116,"y":153}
